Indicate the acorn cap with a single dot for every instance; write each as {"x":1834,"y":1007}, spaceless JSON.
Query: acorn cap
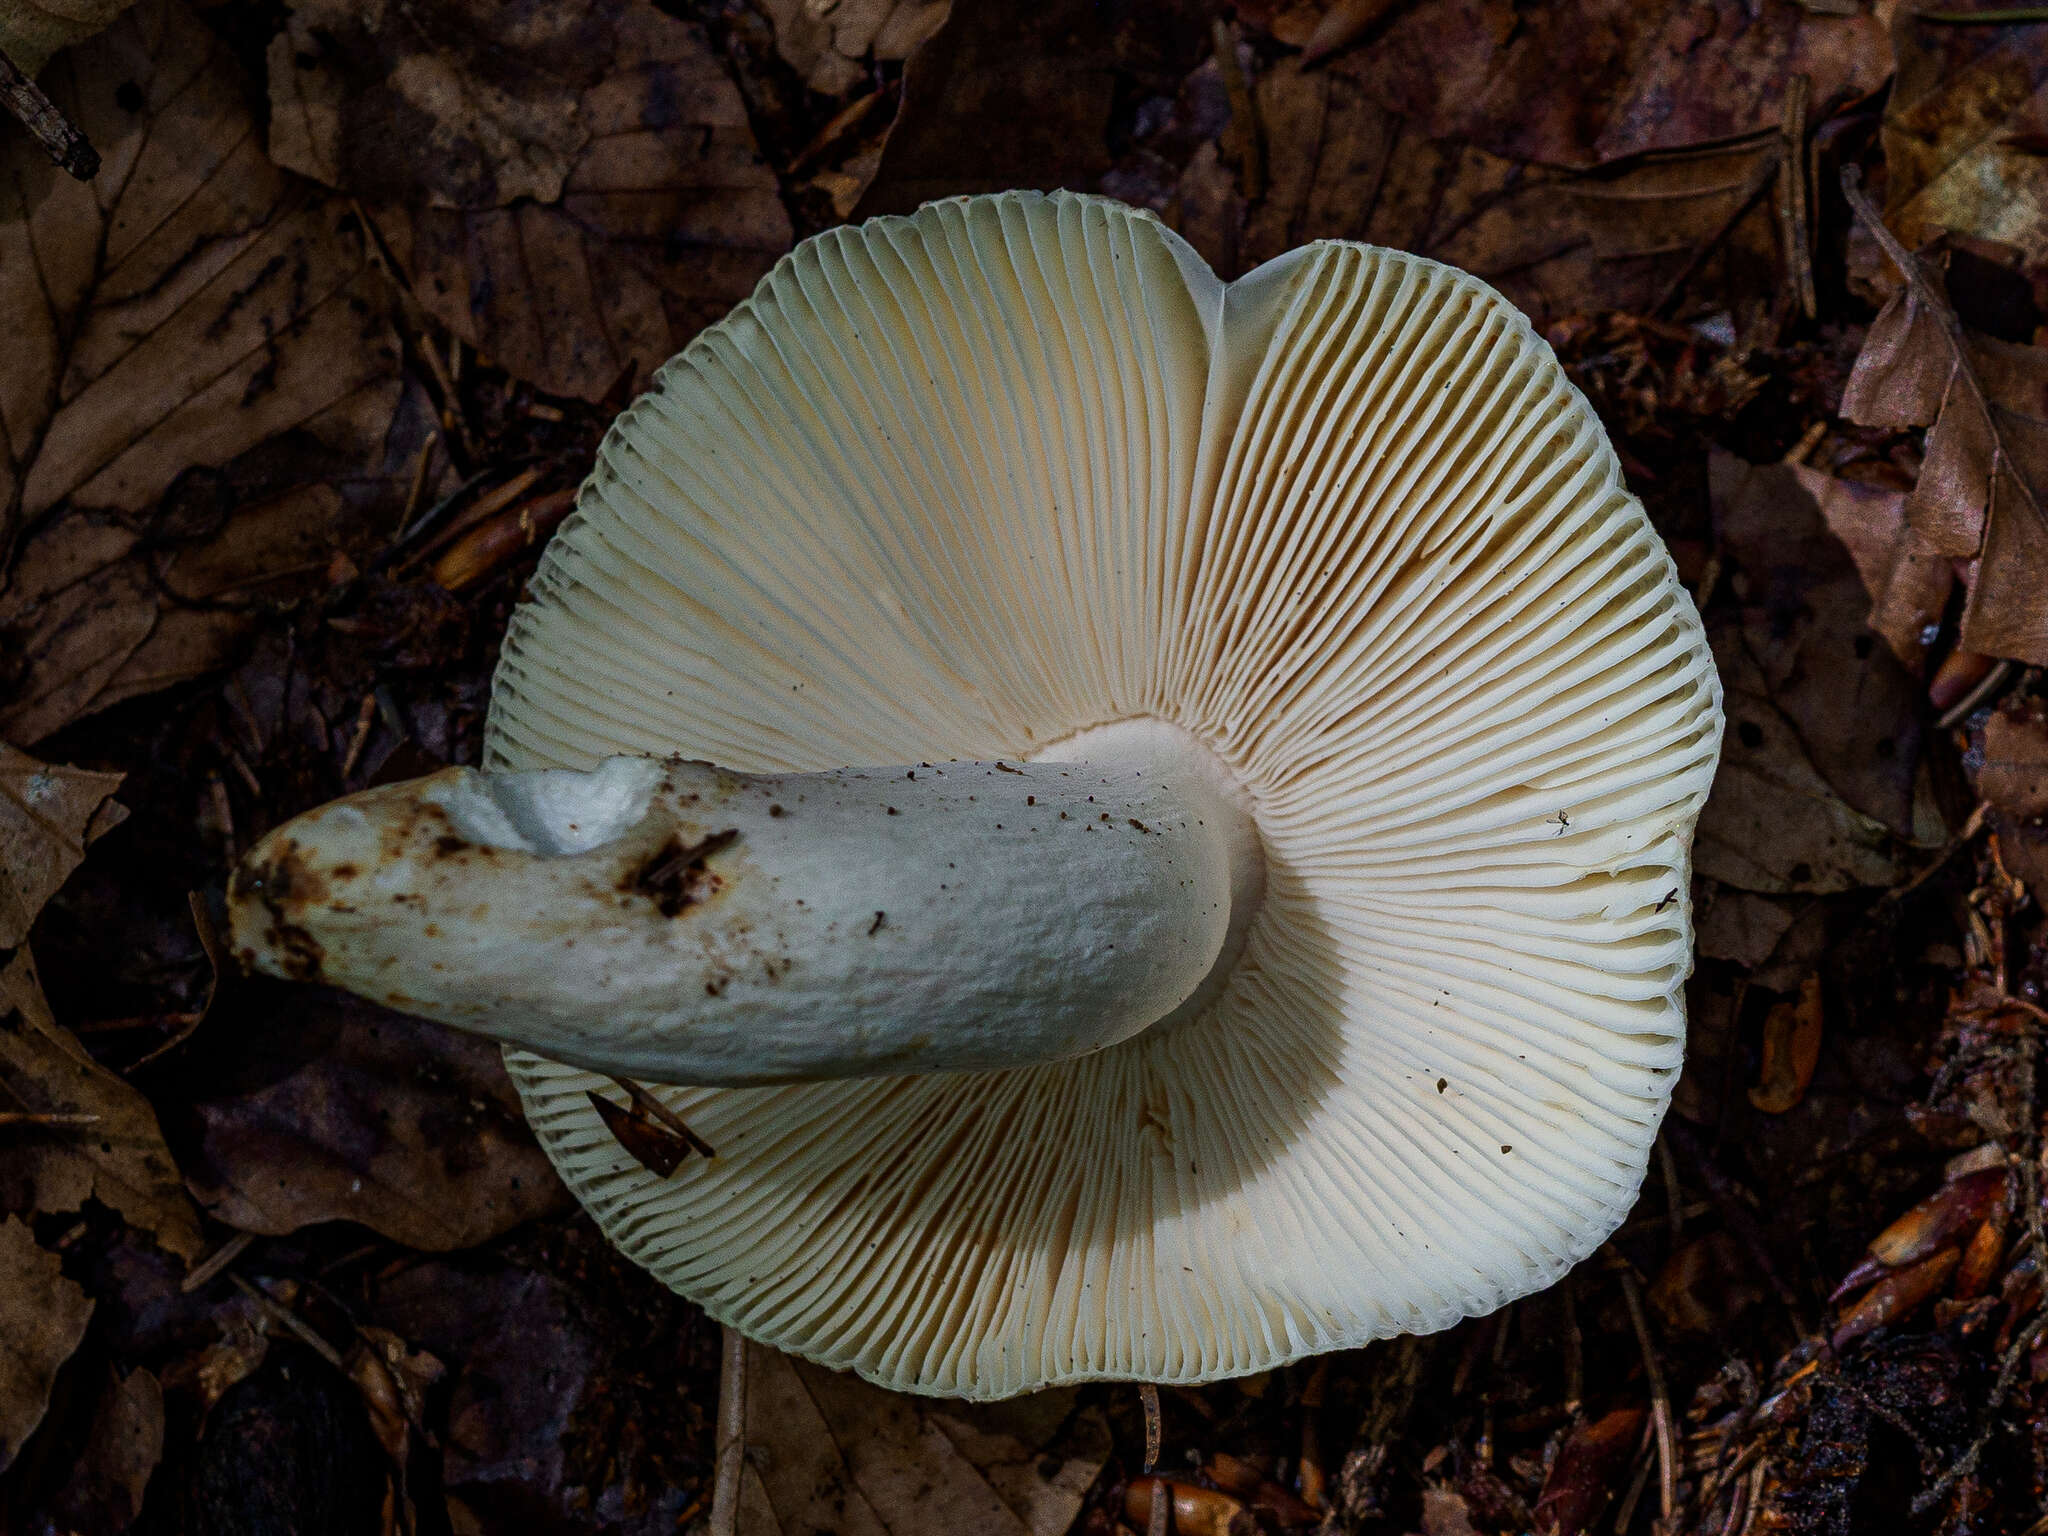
{"x":964,"y":483}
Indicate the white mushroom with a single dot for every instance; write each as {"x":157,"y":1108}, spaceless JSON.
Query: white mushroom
{"x":1326,"y":578}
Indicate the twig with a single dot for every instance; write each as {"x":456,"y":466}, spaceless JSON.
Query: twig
{"x":1674,"y":1197}
{"x":1792,"y":194}
{"x":1962,"y":709}
{"x":1921,"y":288}
{"x":732,"y":1435}
{"x":1759,"y":181}
{"x":1965,"y":1464}
{"x":276,"y":1309}
{"x":1660,"y":1395}
{"x":2012,"y":15}
{"x":1161,"y":1510}
{"x":1148,"y":1399}
{"x":1574,"y":1350}
{"x":652,"y":1107}
{"x":59,"y":136}
{"x":55,"y":1119}
{"x":215,"y":1262}
{"x":366,"y":716}
{"x":1244,"y":111}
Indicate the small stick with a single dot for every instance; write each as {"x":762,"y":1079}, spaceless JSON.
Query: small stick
{"x":55,"y":1119}
{"x":1674,"y":1197}
{"x":1148,"y":1399}
{"x":1792,"y":194}
{"x":60,"y":137}
{"x":652,"y":1107}
{"x":1660,"y":1395}
{"x":215,"y":1262}
{"x":1754,"y":188}
{"x":223,"y":811}
{"x":732,"y":1435}
{"x":1244,"y":111}
{"x":1574,"y":1350}
{"x":1314,"y":1485}
{"x":366,"y":716}
{"x":303,"y":1331}
{"x":1162,"y":1508}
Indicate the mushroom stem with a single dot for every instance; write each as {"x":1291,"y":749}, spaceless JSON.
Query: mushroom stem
{"x":678,"y":922}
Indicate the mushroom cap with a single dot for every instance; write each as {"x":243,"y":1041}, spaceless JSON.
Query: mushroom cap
{"x":962,"y":483}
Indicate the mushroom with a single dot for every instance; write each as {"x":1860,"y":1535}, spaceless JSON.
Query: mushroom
{"x":1271,"y":934}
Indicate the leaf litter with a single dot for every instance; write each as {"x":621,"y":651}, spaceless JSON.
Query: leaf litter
{"x":298,"y":399}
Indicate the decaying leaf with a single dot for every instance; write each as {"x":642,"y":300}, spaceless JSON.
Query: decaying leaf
{"x":1773,"y":823}
{"x":1791,"y":1049}
{"x":191,"y":322}
{"x":1984,"y":486}
{"x":2014,"y":780}
{"x":590,"y":195}
{"x":31,"y":31}
{"x":411,"y":1129}
{"x":1962,"y":131}
{"x":1805,"y":622}
{"x":116,"y":1156}
{"x":42,"y":1318}
{"x":48,"y":813}
{"x":828,"y":1451}
{"x":1641,"y":77}
{"x":831,"y":43}
{"x":121,"y":1450}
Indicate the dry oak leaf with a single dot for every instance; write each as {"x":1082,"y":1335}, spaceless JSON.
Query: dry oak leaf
{"x":48,"y":813}
{"x":42,"y":1318}
{"x":1962,"y":132}
{"x":828,"y":1451}
{"x":118,"y":1158}
{"x":1641,"y":77}
{"x":1984,"y":484}
{"x":1805,"y":621}
{"x":571,"y":189}
{"x":411,"y":1129}
{"x":2014,"y":779}
{"x":188,"y":303}
{"x":830,"y":42}
{"x":31,"y":31}
{"x":193,"y":335}
{"x":122,"y":1448}
{"x":1772,"y":823}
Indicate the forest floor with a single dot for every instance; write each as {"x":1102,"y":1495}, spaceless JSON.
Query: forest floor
{"x":296,"y":386}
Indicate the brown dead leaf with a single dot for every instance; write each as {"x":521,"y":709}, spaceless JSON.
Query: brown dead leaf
{"x":119,"y":1158}
{"x":1956,"y":133}
{"x":411,"y":1129}
{"x":828,"y":1451}
{"x":1804,"y":619}
{"x":48,"y":813}
{"x":32,"y":31}
{"x":1984,"y":486}
{"x":1445,"y":1513}
{"x":1641,"y":77}
{"x":1908,"y":580}
{"x":593,"y":197}
{"x":1791,"y":1050}
{"x":1047,"y":75}
{"x":831,"y":44}
{"x":194,"y":333}
{"x":1556,"y":241}
{"x":42,"y":1318}
{"x":1706,"y":1286}
{"x":122,"y":1448}
{"x":2014,"y":777}
{"x":1580,"y":1481}
{"x":1772,"y":823}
